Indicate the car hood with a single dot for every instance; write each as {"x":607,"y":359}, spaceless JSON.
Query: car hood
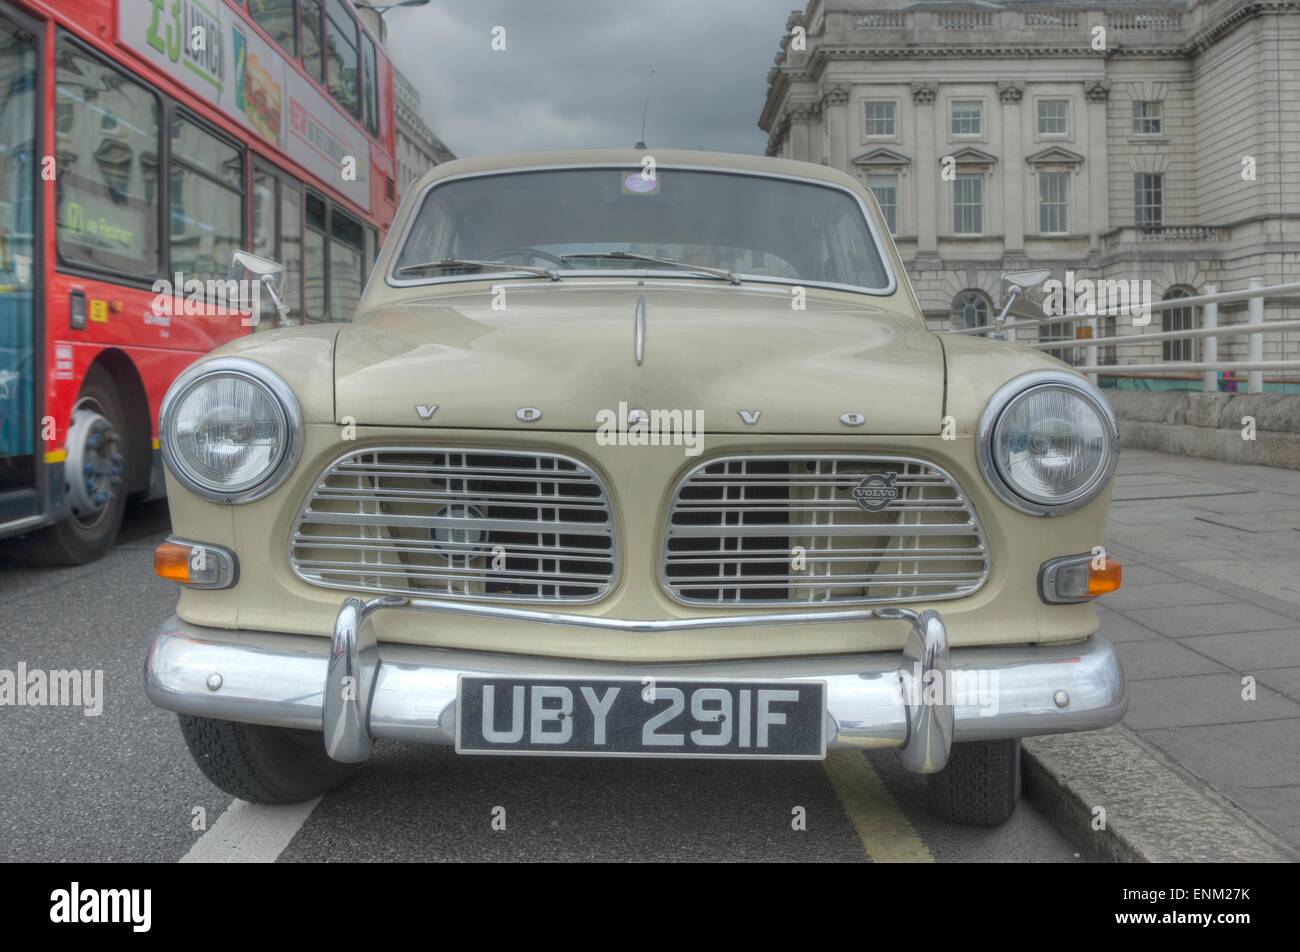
{"x":569,"y":351}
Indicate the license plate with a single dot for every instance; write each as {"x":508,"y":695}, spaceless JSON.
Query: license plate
{"x":595,"y":717}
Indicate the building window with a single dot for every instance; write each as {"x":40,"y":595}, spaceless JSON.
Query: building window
{"x":881,"y":118}
{"x":885,"y":188}
{"x":1148,"y":117}
{"x":1054,"y":203}
{"x":1059,"y":330}
{"x":1149,"y":199}
{"x":968,"y":205}
{"x":276,"y":18}
{"x":967,"y":118}
{"x":1179,"y":319}
{"x":107,"y":134}
{"x":1053,"y":117}
{"x":970,"y":309}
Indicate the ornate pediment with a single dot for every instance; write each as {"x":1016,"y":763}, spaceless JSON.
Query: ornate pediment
{"x":1055,"y":155}
{"x":881,"y":158}
{"x":972,"y":156}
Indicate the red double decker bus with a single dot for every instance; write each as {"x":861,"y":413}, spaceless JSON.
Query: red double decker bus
{"x":141,"y":142}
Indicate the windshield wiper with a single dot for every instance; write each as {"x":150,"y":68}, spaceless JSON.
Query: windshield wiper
{"x":476,"y":263}
{"x":633,"y":256}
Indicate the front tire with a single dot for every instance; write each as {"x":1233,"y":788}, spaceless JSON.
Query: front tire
{"x":98,"y":451}
{"x":262,"y":764}
{"x":980,"y":785}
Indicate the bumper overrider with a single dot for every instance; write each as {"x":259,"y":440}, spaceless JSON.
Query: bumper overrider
{"x":920,"y":700}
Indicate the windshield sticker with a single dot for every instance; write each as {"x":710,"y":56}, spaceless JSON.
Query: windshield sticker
{"x":635,"y":183}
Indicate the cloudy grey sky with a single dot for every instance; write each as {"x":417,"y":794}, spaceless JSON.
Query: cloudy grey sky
{"x":574,"y":72}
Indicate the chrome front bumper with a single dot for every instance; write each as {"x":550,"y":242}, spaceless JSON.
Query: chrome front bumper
{"x":920,"y":700}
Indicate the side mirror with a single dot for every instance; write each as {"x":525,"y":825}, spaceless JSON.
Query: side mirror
{"x":1025,"y":287}
{"x":267,"y":275}
{"x":1024,"y":280}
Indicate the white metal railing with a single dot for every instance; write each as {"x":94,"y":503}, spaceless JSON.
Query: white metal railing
{"x":1210,"y":331}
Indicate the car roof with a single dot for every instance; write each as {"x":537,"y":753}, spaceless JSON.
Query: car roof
{"x":632,"y":158}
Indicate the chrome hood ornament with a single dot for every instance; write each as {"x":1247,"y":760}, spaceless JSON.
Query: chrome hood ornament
{"x":639,"y":332}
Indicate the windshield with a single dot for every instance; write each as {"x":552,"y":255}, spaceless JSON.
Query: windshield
{"x":576,"y":219}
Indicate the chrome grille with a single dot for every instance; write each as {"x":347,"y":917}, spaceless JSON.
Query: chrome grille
{"x":458,"y":523}
{"x":788,"y":530}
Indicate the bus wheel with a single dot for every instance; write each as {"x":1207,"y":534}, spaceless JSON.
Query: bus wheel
{"x":93,"y":478}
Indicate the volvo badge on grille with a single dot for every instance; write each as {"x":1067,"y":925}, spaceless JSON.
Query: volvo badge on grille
{"x":876,"y":491}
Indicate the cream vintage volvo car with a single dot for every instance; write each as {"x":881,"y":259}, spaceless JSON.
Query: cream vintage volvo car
{"x":634,"y":456}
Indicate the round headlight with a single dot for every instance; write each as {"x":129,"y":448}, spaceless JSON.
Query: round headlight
{"x":1047,"y":443}
{"x":230,"y":430}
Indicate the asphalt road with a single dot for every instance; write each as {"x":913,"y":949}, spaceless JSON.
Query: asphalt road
{"x":120,"y":786}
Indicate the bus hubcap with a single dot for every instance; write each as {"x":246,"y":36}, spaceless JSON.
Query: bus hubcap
{"x":94,"y":468}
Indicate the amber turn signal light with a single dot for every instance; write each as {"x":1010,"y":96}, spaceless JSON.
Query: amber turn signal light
{"x":195,"y":564}
{"x":1106,"y":579}
{"x":171,"y":561}
{"x":1078,"y":578}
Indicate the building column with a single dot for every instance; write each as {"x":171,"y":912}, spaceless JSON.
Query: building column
{"x":1098,"y":162}
{"x":800,"y":134}
{"x":1013,"y":188}
{"x":926,"y":182}
{"x":835,"y":114}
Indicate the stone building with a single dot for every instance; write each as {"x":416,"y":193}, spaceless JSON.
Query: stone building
{"x":1119,"y":140}
{"x":418,"y":149}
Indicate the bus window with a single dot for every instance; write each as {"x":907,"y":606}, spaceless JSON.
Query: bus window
{"x":372,"y":251}
{"x":264,"y":243}
{"x":207,"y":192}
{"x":314,"y":260}
{"x":341,"y":59}
{"x":291,"y":246}
{"x":370,"y":88}
{"x":206,"y":153}
{"x":279,"y":239}
{"x":107,"y":130}
{"x":312,"y":42}
{"x":19,"y":161}
{"x":276,"y":18}
{"x":347,"y":252}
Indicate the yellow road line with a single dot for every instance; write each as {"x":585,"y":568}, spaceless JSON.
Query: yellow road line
{"x":885,"y":831}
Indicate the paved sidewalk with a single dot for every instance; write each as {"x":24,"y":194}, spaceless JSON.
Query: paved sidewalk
{"x":1211,"y":595}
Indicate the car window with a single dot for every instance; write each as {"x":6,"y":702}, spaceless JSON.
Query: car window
{"x":761,"y":226}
